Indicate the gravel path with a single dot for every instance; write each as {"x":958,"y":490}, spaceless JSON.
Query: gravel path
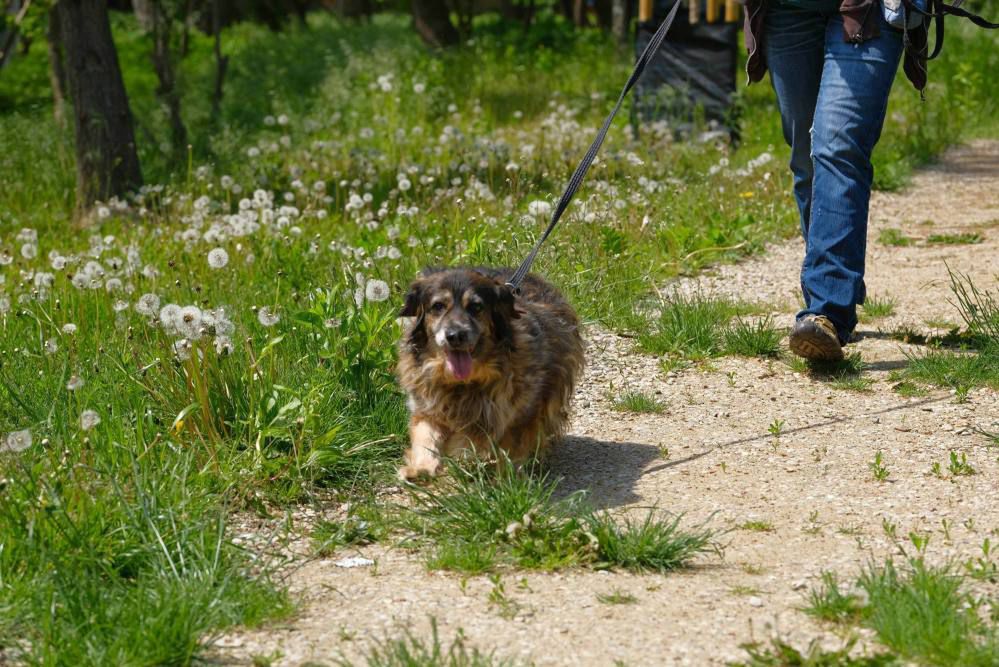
{"x":813,"y":485}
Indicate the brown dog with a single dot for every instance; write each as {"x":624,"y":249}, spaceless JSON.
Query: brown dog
{"x":484,"y":368}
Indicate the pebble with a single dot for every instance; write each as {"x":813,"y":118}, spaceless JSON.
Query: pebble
{"x":354,"y":561}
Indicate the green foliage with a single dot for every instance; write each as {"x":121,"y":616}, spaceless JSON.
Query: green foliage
{"x":922,"y":614}
{"x":491,"y":515}
{"x":639,"y":402}
{"x":782,"y":654}
{"x":829,"y":603}
{"x":699,"y":327}
{"x":893,"y":237}
{"x":413,"y":651}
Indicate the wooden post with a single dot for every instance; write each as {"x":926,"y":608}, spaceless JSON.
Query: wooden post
{"x":713,"y":10}
{"x":644,"y":10}
{"x":694,"y":16}
{"x":731,"y":11}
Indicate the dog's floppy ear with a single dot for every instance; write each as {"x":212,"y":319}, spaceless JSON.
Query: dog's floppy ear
{"x":504,"y":310}
{"x":413,"y":305}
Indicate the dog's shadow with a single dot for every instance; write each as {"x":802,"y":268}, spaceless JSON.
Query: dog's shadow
{"x":606,"y":471}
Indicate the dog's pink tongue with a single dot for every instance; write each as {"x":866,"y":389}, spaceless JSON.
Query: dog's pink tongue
{"x":460,"y":364}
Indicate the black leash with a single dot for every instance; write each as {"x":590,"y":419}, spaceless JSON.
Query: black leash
{"x":577,"y":177}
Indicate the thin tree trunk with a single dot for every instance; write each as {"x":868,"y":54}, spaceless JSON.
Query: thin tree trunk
{"x":221,"y":61}
{"x":619,"y":20}
{"x":433,"y":23}
{"x":155,"y":21}
{"x":57,"y":68}
{"x":106,"y":160}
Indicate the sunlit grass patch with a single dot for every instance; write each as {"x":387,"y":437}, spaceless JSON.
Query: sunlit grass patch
{"x":489,"y":516}
{"x":830,"y":603}
{"x":753,"y":338}
{"x":964,"y":238}
{"x":894,"y":237}
{"x":780,"y":653}
{"x":922,"y":613}
{"x":877,"y":307}
{"x":411,"y":650}
{"x":757,"y":526}
{"x":365,"y":523}
{"x":977,"y":364}
{"x":639,"y":402}
{"x":696,"y":327}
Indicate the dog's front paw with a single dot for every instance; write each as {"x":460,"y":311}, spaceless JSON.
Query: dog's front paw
{"x":418,"y":473}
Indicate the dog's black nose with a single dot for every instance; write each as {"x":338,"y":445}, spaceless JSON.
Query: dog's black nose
{"x":456,"y":336}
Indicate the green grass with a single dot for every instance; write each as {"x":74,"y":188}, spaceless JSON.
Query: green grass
{"x":829,"y":603}
{"x":964,"y":238}
{"x":894,"y":237}
{"x":845,"y":374}
{"x":923,"y":614}
{"x":782,"y":654}
{"x":491,"y":516}
{"x":747,"y":338}
{"x":284,"y":391}
{"x":413,"y":651}
{"x":616,"y":597}
{"x":639,"y":402}
{"x":697,"y":327}
{"x":976,"y":363}
{"x":875,"y":307}
{"x":757,"y":526}
{"x":364,"y":524}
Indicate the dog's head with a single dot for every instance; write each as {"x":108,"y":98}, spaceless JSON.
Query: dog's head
{"x":462,"y":317}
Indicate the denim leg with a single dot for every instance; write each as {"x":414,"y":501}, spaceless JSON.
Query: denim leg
{"x":849,"y":115}
{"x":795,"y":47}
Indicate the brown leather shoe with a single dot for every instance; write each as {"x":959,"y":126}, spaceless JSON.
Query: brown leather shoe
{"x":814,"y":337}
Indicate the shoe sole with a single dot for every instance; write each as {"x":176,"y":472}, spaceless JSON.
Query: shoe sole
{"x":815,"y":346}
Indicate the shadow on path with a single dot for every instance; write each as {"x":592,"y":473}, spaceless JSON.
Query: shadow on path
{"x":609,"y":471}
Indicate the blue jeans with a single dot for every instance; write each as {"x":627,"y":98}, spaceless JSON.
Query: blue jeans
{"x":832,"y":97}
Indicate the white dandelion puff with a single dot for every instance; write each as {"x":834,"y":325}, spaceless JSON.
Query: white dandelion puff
{"x":51,"y":346}
{"x":218,"y":258}
{"x":170,"y":318}
{"x":148,"y":305}
{"x":69,"y":329}
{"x":75,"y":382}
{"x":17,"y":441}
{"x":89,"y":419}
{"x":539,"y":207}
{"x":267,"y":317}
{"x":190,"y":322}
{"x":376,"y":290}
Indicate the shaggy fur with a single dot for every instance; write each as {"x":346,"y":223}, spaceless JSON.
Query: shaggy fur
{"x":483,"y":368}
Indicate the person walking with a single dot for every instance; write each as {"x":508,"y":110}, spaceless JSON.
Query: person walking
{"x":832,"y":63}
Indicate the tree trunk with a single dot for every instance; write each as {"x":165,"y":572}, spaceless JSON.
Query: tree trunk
{"x":619,"y":20}
{"x":57,"y":68}
{"x":221,"y":61}
{"x":106,"y":160}
{"x":433,"y":22}
{"x":155,"y":21}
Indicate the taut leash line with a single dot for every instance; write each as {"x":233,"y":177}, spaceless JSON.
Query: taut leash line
{"x":577,"y":176}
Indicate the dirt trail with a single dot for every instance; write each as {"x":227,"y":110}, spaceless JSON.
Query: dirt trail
{"x":814,"y":486}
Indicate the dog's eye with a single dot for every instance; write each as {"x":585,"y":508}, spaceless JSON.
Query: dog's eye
{"x":474,"y":308}
{"x":438,"y":307}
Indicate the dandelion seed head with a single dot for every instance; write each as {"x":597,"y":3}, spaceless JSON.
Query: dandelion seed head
{"x":75,"y":382}
{"x":69,"y":329}
{"x":376,"y":290}
{"x":17,"y":441}
{"x":148,"y":305}
{"x":267,"y":317}
{"x":89,"y":419}
{"x":218,"y":258}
